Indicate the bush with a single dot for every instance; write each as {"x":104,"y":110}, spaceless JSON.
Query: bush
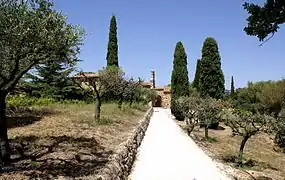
{"x":25,"y":101}
{"x":280,"y":130}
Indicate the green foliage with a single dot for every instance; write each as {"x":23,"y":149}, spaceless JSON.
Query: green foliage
{"x":197,"y":75}
{"x":280,"y":130}
{"x":209,"y":113}
{"x":52,"y":80}
{"x":264,"y":20}
{"x":232,"y":87}
{"x":25,"y":101}
{"x":212,"y":82}
{"x":246,"y":124}
{"x":36,"y":34}
{"x":190,"y":107}
{"x":112,"y":53}
{"x":179,"y":79}
{"x":266,"y":97}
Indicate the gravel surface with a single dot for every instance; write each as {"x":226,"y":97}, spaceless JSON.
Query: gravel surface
{"x":167,"y":153}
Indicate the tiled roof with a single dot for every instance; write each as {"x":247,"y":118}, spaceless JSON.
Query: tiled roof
{"x":86,"y":74}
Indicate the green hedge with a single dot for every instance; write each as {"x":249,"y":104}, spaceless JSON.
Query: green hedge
{"x":32,"y":101}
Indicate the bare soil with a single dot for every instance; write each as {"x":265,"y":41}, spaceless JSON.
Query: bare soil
{"x":65,"y":141}
{"x":263,"y":160}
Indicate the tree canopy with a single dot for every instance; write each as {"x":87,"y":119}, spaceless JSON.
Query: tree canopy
{"x":264,"y":20}
{"x":31,"y":33}
{"x":112,"y":53}
{"x":179,"y":79}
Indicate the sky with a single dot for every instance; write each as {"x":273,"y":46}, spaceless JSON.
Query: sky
{"x":148,"y":31}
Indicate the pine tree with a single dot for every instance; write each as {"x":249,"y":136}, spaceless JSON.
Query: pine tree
{"x":52,"y":80}
{"x":232,"y":86}
{"x":197,"y":75}
{"x":179,"y":79}
{"x":212,"y":82}
{"x":112,"y":53}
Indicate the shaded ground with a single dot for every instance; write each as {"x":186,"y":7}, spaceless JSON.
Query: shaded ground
{"x":261,"y":156}
{"x":66,"y":142}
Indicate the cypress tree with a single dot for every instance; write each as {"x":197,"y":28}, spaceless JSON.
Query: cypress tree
{"x":212,"y":82}
{"x":197,"y":75}
{"x":179,"y":79}
{"x":112,"y":53}
{"x":232,"y":86}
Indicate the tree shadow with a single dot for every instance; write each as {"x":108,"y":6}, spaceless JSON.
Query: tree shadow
{"x":19,"y":117}
{"x":50,"y":157}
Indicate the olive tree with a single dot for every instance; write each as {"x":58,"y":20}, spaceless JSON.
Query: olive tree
{"x":109,"y":80}
{"x":246,"y":124}
{"x":190,"y":107}
{"x":208,"y":114}
{"x":31,"y":33}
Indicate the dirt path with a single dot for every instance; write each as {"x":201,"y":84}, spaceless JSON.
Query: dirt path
{"x":167,"y":153}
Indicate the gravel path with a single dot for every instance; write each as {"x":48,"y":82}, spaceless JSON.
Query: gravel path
{"x":167,"y":153}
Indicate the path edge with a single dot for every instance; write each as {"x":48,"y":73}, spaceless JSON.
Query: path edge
{"x":121,"y":162}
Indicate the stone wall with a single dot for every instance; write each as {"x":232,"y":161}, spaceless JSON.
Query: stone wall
{"x":166,"y":98}
{"x":122,"y":161}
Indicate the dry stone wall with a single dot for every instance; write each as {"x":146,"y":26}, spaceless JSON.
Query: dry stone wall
{"x":121,"y":162}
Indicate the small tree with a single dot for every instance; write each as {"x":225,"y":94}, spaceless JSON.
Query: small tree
{"x":179,"y":79}
{"x":132,"y":91}
{"x":108,"y":82}
{"x":190,"y":107}
{"x":208,"y":115}
{"x":246,"y":125}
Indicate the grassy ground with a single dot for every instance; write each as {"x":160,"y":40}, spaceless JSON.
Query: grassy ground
{"x":261,"y":156}
{"x":64,"y":140}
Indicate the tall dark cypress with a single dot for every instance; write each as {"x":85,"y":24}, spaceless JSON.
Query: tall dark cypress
{"x":212,"y":82}
{"x":112,"y":53}
{"x":179,"y":79}
{"x":197,"y":75}
{"x":232,"y":86}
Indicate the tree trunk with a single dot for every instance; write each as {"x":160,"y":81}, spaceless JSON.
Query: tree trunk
{"x":240,"y":155}
{"x":206,"y":132}
{"x":120,"y":101}
{"x":4,"y":144}
{"x":131,"y":100}
{"x":98,"y":109}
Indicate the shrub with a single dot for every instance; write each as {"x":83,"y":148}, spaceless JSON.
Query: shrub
{"x":25,"y":101}
{"x":280,"y":130}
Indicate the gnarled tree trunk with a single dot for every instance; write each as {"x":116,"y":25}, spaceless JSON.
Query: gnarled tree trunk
{"x":98,"y":108}
{"x":240,"y":155}
{"x":4,"y":144}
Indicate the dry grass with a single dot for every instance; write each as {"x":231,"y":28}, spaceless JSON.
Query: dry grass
{"x":67,"y":141}
{"x":259,"y":151}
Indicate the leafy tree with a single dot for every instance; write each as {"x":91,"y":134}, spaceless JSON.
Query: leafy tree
{"x":232,"y":87}
{"x":245,"y":124}
{"x":212,"y":82}
{"x":179,"y":79}
{"x":195,"y":83}
{"x":264,"y":20}
{"x":112,"y":53}
{"x":107,"y":83}
{"x":208,"y":114}
{"x":190,"y":107}
{"x":52,"y":80}
{"x":31,"y":33}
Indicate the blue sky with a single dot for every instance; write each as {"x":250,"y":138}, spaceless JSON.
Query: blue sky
{"x":148,"y":31}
